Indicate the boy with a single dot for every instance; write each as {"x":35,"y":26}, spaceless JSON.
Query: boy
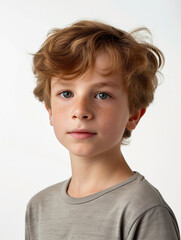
{"x":110,"y":79}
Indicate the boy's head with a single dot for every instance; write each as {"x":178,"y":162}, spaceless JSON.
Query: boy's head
{"x":70,"y":52}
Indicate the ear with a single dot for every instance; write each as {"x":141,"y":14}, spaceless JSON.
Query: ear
{"x":134,"y":119}
{"x":50,"y":114}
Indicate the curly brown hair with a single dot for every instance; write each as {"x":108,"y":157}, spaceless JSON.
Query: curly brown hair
{"x":71,"y":51}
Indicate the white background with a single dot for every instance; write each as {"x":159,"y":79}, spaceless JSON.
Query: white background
{"x":31,"y":158}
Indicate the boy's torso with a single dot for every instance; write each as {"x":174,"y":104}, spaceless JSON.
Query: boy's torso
{"x":113,"y":213}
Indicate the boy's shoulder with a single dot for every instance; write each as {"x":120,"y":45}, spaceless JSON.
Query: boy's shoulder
{"x":142,"y":191}
{"x":141,"y":196}
{"x":47,"y":195}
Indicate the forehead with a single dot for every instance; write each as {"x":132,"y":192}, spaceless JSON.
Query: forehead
{"x":102,"y":63}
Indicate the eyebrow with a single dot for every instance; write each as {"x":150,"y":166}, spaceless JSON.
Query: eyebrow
{"x":100,"y":84}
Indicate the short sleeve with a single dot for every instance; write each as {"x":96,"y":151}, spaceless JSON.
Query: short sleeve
{"x":27,"y":225}
{"x":157,"y":223}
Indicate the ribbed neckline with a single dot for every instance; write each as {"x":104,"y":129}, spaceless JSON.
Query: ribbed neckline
{"x":71,"y":200}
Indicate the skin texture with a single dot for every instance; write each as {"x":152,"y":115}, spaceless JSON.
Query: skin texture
{"x":97,"y":162}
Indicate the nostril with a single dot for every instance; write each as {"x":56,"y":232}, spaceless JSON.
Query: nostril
{"x":76,"y":116}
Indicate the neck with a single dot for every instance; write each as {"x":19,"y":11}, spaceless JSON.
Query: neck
{"x":91,"y":175}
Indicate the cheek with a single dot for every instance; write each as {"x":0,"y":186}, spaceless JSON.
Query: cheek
{"x":59,"y":124}
{"x":58,"y":118}
{"x":114,"y":121}
{"x":59,"y":112}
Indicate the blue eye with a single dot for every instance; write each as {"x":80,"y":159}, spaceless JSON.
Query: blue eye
{"x":103,"y":95}
{"x":65,"y":95}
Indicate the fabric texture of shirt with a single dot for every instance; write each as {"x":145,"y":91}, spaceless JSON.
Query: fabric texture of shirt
{"x":130,"y":210}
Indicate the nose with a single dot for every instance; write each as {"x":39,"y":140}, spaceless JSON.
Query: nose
{"x":82,"y":109}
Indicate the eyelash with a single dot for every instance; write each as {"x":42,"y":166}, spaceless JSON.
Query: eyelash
{"x":109,"y":96}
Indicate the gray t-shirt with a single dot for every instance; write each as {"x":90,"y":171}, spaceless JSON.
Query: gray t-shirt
{"x":132,"y":209}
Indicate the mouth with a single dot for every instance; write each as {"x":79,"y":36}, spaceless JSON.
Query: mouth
{"x":81,"y":131}
{"x":81,"y":134}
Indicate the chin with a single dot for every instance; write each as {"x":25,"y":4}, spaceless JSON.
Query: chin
{"x":83,"y":151}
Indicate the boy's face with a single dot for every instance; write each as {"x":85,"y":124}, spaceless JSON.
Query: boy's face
{"x":84,"y":103}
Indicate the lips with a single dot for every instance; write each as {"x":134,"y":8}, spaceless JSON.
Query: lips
{"x":81,"y":133}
